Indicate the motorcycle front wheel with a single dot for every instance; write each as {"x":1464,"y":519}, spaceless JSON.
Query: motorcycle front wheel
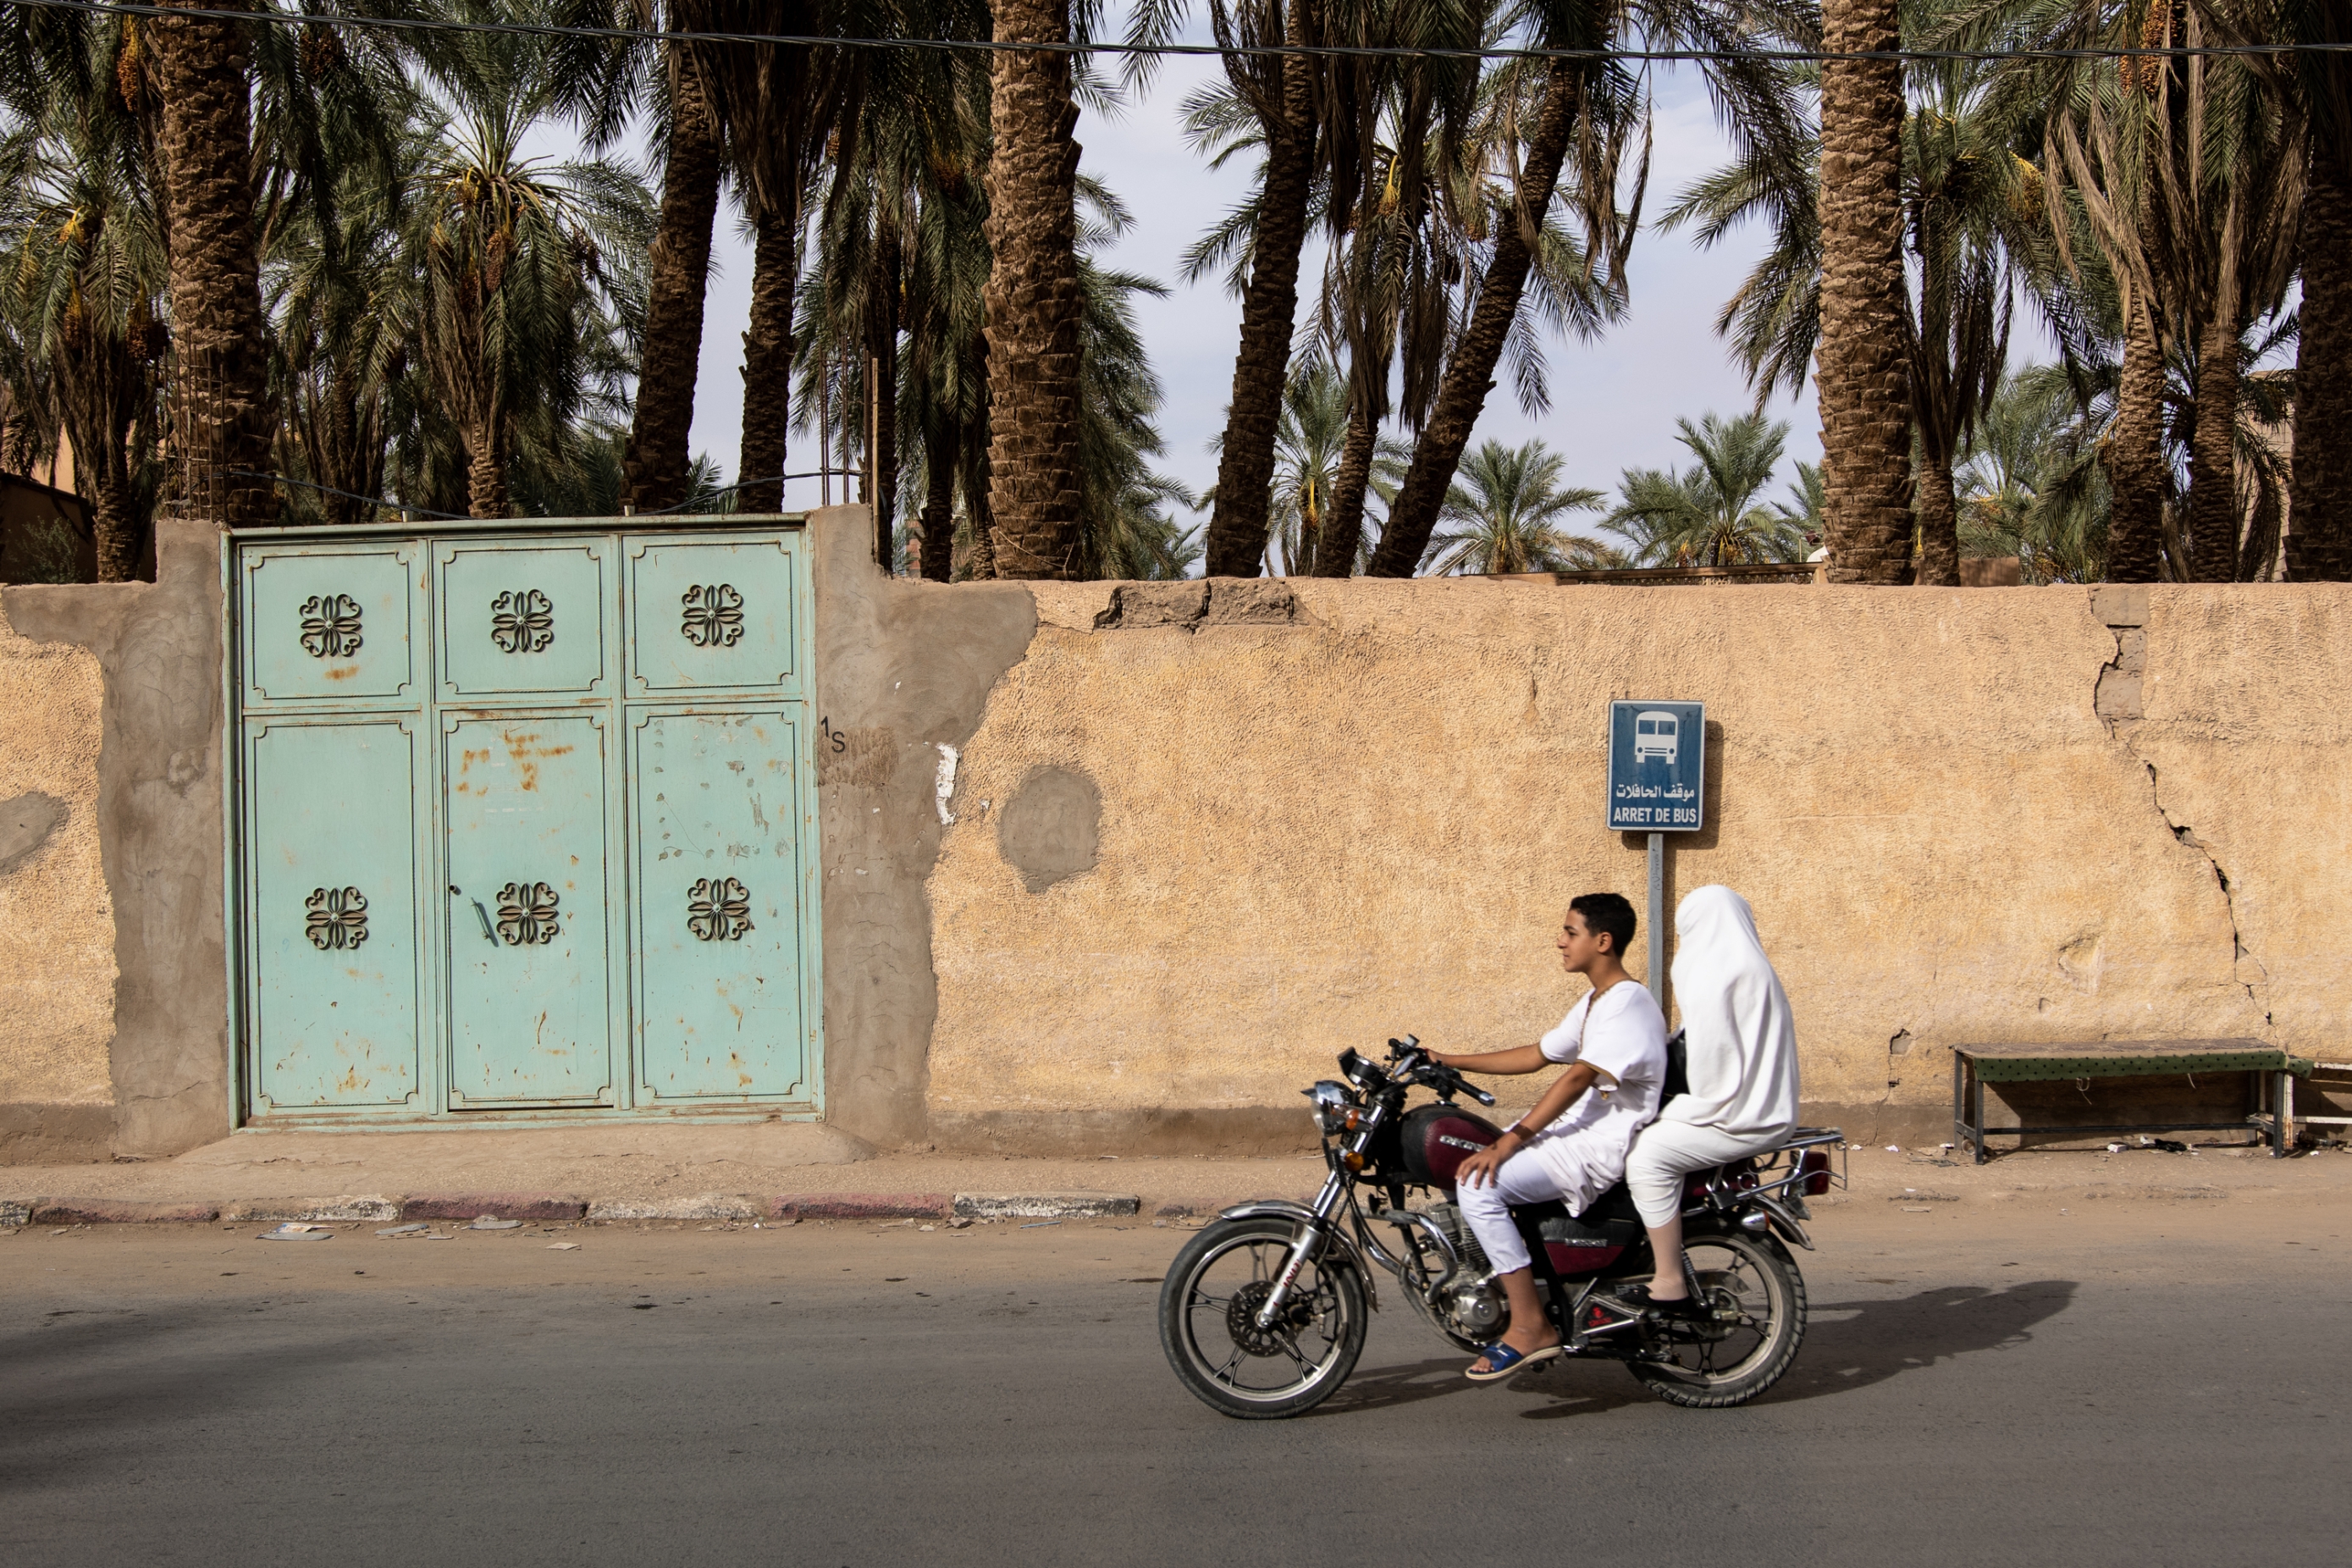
{"x":1208,"y":1310}
{"x":1757,"y":1299}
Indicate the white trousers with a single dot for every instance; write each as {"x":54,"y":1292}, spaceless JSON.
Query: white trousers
{"x":1546,"y":1169}
{"x":1667,"y":1152}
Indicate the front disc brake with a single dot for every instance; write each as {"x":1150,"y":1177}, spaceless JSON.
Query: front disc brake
{"x":1241,"y":1321}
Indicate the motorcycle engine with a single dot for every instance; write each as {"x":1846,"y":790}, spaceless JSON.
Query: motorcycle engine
{"x":1473,"y":1305}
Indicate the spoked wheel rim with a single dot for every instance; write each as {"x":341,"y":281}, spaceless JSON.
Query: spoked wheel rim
{"x":1749,"y":1303}
{"x":1219,"y":1331}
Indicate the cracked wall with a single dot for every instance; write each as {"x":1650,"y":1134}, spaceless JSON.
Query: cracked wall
{"x":2248,"y":745}
{"x":1359,"y":814}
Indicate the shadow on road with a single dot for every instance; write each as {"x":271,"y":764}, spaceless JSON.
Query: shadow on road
{"x":1848,"y":1345}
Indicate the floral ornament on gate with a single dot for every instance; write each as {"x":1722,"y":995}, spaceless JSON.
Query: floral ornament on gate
{"x":522,"y":622}
{"x":331,"y":625}
{"x":718,"y":909}
{"x":527,"y":914}
{"x":338,"y":919}
{"x":714,"y":616}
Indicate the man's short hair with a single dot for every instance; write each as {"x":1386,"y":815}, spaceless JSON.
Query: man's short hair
{"x":1607,"y":912}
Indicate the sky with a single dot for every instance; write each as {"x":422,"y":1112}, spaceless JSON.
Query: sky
{"x":1614,"y":402}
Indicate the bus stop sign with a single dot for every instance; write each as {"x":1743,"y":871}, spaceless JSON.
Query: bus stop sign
{"x":1657,"y":766}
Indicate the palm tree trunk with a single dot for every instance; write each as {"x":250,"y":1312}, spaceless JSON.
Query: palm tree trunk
{"x":1470,"y":370}
{"x":768,"y":363}
{"x":1032,"y":303}
{"x":340,"y":458}
{"x":122,"y":539}
{"x":1236,"y":541}
{"x":2214,"y":522}
{"x":486,"y":470}
{"x":1939,"y":523}
{"x":1335,"y":553}
{"x":217,"y":319}
{"x":882,"y":323}
{"x":938,"y":502}
{"x":973,"y":478}
{"x":2135,"y":455}
{"x":1864,"y":391}
{"x":2319,"y":514}
{"x":658,"y":454}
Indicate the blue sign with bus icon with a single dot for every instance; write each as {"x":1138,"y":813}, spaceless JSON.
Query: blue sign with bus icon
{"x":1657,"y":766}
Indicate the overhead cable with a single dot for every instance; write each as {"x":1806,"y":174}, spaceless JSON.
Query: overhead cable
{"x":1157,"y":51}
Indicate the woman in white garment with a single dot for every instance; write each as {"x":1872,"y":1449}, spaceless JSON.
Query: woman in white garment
{"x":1740,"y":1058}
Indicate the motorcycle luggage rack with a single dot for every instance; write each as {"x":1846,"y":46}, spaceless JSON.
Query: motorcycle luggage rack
{"x":1775,"y":1179}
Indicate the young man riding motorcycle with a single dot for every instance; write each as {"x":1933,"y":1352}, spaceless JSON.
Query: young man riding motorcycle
{"x":1573,"y":1145}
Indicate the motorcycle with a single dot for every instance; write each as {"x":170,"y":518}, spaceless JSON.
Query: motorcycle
{"x":1264,"y":1313}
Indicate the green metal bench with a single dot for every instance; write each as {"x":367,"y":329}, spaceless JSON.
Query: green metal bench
{"x":2271,"y":1075}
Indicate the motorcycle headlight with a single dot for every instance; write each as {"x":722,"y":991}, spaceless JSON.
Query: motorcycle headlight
{"x":1332,"y":1103}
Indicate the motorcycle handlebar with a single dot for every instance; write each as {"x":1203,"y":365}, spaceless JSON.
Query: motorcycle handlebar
{"x":1444,"y":1078}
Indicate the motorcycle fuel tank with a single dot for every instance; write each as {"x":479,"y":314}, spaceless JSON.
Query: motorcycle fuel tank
{"x":1433,"y":1141}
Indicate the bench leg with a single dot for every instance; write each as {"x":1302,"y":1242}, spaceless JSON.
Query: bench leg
{"x":1975,"y":1113}
{"x":1960,"y":1107}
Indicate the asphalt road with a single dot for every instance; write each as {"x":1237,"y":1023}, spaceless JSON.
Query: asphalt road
{"x":2150,"y":1382}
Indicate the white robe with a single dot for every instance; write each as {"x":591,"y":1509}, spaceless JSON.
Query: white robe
{"x":1740,"y":1039}
{"x":1739,"y":1055}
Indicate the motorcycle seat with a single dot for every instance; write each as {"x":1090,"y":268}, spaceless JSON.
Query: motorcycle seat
{"x":1611,"y":1220}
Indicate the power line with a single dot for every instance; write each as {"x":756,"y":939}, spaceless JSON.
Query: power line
{"x":401,"y":507}
{"x":1157,"y":51}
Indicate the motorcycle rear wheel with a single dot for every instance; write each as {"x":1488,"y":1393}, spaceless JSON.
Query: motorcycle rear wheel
{"x":1207,"y":1307}
{"x":1760,"y":1302}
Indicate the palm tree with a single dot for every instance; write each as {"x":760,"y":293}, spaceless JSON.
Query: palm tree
{"x":1279,"y":93}
{"x":1309,"y":446}
{"x":1507,"y":512}
{"x":1708,"y":515}
{"x":86,"y":276}
{"x":1968,"y":215}
{"x":2189,"y":173}
{"x":1865,"y":402}
{"x":336,"y":285}
{"x":516,"y":256}
{"x":777,"y":105}
{"x":1597,"y":112}
{"x":1124,"y":530}
{"x":1805,"y":509}
{"x":2320,"y":548}
{"x":2030,"y":480}
{"x":205,"y":142}
{"x":606,"y":81}
{"x":1035,"y":300}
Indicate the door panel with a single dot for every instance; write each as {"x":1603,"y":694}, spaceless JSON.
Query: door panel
{"x":330,"y":921}
{"x":718,"y":906}
{"x":524,"y":621}
{"x":711,"y":615}
{"x":528,"y":1021}
{"x":321,"y":622}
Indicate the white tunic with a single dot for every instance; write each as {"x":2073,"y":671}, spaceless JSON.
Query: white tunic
{"x":1739,"y":1036}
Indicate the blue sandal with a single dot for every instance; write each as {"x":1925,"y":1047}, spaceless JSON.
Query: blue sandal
{"x":1503,"y":1361}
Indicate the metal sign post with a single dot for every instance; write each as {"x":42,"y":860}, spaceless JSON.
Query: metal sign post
{"x":1657,"y":786}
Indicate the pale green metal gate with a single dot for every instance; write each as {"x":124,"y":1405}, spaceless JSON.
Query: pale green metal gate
{"x":524,"y":822}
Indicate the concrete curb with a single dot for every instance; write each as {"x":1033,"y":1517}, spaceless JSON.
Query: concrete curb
{"x":111,"y":1211}
{"x":860,"y":1206}
{"x":1044,"y":1205}
{"x":504,"y":1205}
{"x":377,"y":1208}
{"x":705,"y":1205}
{"x":383,"y":1210}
